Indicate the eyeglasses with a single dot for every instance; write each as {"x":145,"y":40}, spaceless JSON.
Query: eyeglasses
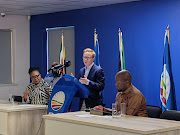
{"x":87,"y":58}
{"x":34,"y":77}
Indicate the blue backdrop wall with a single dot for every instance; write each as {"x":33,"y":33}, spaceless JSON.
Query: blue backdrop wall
{"x":143,"y":24}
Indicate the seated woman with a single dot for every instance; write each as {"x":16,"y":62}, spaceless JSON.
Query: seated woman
{"x":38,"y":91}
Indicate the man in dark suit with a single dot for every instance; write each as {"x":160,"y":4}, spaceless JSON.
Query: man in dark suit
{"x":92,"y":76}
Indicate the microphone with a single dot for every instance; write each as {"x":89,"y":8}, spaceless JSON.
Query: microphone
{"x":52,"y":66}
{"x":60,"y":66}
{"x":67,"y":63}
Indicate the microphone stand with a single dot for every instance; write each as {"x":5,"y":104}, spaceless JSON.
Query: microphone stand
{"x":56,"y":75}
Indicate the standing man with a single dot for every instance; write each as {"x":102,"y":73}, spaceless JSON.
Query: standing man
{"x":128,"y":94}
{"x":92,"y":76}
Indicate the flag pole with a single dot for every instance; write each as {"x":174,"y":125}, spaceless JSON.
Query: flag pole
{"x":168,"y":34}
{"x":62,"y":38}
{"x":119,"y":39}
{"x":120,"y":49}
{"x":95,"y":37}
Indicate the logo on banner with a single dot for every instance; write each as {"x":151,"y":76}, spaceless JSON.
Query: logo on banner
{"x":165,"y":86}
{"x":58,"y":101}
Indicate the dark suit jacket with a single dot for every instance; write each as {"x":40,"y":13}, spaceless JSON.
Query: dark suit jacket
{"x":96,"y":84}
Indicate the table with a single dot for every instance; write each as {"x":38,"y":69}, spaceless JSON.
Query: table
{"x":82,"y":123}
{"x":21,"y":119}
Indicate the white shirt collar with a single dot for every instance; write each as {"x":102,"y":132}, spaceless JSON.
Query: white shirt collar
{"x":89,"y":66}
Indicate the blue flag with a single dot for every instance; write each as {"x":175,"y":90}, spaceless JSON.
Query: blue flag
{"x":96,"y":49}
{"x":97,"y":62}
{"x":167,"y":90}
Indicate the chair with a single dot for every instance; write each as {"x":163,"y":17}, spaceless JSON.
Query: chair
{"x":170,"y":115}
{"x":154,"y":111}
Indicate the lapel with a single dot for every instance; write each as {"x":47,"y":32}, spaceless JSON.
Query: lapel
{"x":90,"y":72}
{"x":83,"y":72}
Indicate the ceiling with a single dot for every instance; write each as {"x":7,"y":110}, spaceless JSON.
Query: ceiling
{"x":35,"y":7}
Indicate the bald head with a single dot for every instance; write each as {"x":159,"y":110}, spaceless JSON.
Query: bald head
{"x":124,"y":75}
{"x":123,"y":80}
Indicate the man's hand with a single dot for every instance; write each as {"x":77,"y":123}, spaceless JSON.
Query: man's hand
{"x":98,"y":108}
{"x":83,"y":80}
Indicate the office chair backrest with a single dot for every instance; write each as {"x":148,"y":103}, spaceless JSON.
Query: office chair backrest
{"x":154,"y":111}
{"x":170,"y":115}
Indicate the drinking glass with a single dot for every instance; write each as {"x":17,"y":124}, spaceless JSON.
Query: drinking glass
{"x":114,"y":110}
{"x":123,"y":110}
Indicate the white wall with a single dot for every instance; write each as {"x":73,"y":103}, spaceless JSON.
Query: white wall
{"x":21,"y":54}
